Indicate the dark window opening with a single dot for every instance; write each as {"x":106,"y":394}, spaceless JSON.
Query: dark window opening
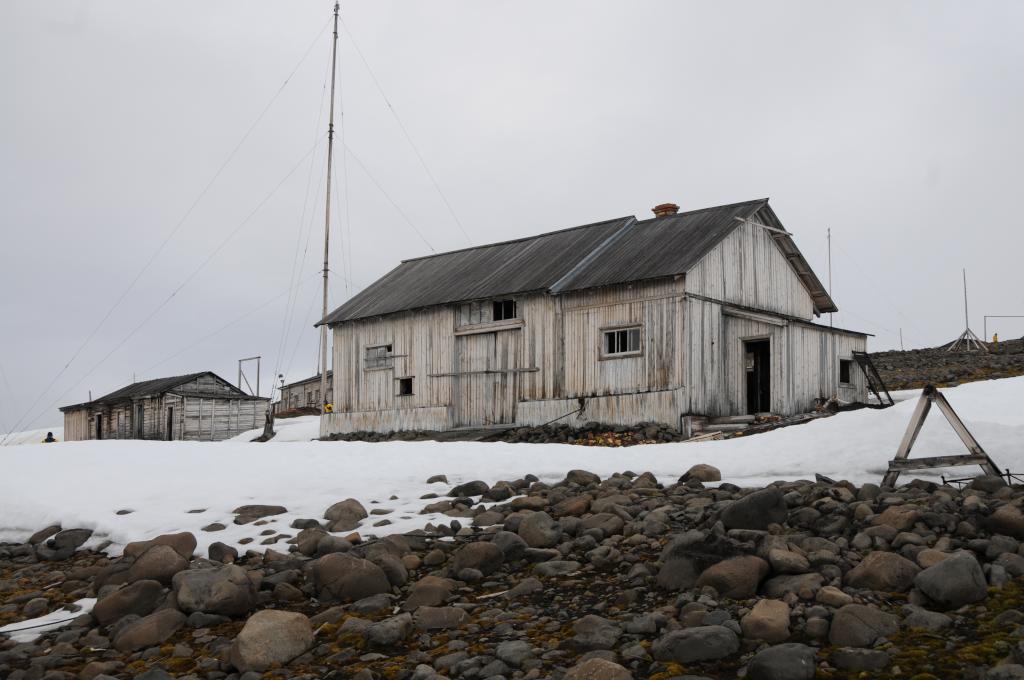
{"x":845,"y":368}
{"x":404,"y":387}
{"x":622,"y":341}
{"x":379,"y":356}
{"x":504,"y":309}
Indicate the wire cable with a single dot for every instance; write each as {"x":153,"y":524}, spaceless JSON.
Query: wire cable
{"x":177,"y":227}
{"x":405,"y":132}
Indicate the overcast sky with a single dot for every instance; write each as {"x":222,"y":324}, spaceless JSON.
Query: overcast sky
{"x":895,"y":124}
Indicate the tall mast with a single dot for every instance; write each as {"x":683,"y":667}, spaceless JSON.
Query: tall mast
{"x":327,"y":217}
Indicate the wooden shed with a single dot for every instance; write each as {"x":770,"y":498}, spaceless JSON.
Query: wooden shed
{"x":195,"y":407}
{"x":703,"y":313}
{"x":303,"y":393}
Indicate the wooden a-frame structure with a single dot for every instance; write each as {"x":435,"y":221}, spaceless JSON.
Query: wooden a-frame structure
{"x":901,"y":462}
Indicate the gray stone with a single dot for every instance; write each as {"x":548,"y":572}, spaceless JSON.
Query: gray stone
{"x":149,"y":630}
{"x":226,"y":591}
{"x":439,"y":618}
{"x":159,"y":563}
{"x":270,"y":638}
{"x":883,"y":571}
{"x":701,"y":643}
{"x":853,"y":659}
{"x":345,"y":515}
{"x":593,"y":632}
{"x":736,"y":578}
{"x":430,"y":591}
{"x":1009,"y":671}
{"x":954,"y":582}
{"x":597,"y":669}
{"x":390,"y":631}
{"x":511,"y":545}
{"x":1007,"y":520}
{"x":556,"y":567}
{"x":540,"y":530}
{"x":481,"y":555}
{"x":858,"y":625}
{"x":184,"y":543}
{"x":141,"y":598}
{"x":474,"y":488}
{"x":702,"y":473}
{"x":756,"y":510}
{"x":677,"y":573}
{"x":790,"y":661}
{"x":221,"y":552}
{"x":917,"y":617}
{"x":514,"y":652}
{"x":581,"y":477}
{"x":344,"y":577}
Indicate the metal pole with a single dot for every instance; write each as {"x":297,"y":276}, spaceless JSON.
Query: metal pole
{"x":258,"y":363}
{"x":327,"y":215}
{"x":967,"y":323}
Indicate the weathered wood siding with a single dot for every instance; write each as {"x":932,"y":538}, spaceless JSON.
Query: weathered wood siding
{"x":747,"y":268}
{"x":76,"y":425}
{"x":804,"y":361}
{"x":215,"y":419}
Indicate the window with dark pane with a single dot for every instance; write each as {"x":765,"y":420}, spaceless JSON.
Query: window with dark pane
{"x":378,"y":356}
{"x":845,"y":368}
{"x":622,"y":341}
{"x":504,"y":309}
{"x":404,"y":387}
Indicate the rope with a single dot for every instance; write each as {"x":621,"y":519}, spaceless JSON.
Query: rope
{"x":405,"y":132}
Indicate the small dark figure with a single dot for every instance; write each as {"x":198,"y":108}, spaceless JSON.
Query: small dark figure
{"x":49,"y":438}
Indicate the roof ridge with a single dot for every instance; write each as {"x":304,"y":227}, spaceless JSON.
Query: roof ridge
{"x":519,"y":240}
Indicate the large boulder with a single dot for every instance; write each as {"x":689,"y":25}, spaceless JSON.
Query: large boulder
{"x":1007,"y":520}
{"x":701,"y":643}
{"x":481,"y":555}
{"x":581,"y":477}
{"x":860,"y":625}
{"x":899,"y":517}
{"x":475,"y":488}
{"x":62,"y":545}
{"x":539,"y":530}
{"x":768,"y":621}
{"x":597,"y":669}
{"x":953,"y":582}
{"x":439,"y":618}
{"x":792,"y":661}
{"x":345,"y":515}
{"x":429,"y":591}
{"x":184,"y":543}
{"x":158,"y":563}
{"x":593,"y":632}
{"x":139,"y":598}
{"x":344,"y":577}
{"x":736,"y":578}
{"x":756,"y":510}
{"x":883,"y":571}
{"x":270,"y":638}
{"x":225,"y":590}
{"x":149,"y":630}
{"x":390,"y":631}
{"x":702,"y":472}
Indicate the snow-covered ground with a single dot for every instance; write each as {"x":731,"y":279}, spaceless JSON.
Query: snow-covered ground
{"x":84,"y":484}
{"x":300,"y":429}
{"x":30,"y":436}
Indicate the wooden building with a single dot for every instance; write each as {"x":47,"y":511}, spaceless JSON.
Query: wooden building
{"x":303,"y":394}
{"x":702,"y":313}
{"x":195,"y":407}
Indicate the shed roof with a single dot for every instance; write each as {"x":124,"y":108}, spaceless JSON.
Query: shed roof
{"x":154,"y":387}
{"x":616,"y":251}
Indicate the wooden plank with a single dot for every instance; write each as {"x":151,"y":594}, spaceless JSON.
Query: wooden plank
{"x":936,"y":462}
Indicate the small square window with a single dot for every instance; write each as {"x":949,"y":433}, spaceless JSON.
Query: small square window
{"x":504,"y":309}
{"x":404,"y":387}
{"x":622,"y":341}
{"x":845,"y":369}
{"x":378,"y":356}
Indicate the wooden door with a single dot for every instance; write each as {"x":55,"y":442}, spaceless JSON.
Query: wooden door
{"x":757,"y":357}
{"x":486,"y":382}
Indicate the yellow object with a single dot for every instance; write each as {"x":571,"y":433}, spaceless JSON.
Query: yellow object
{"x":995,"y":339}
{"x":328,"y":408}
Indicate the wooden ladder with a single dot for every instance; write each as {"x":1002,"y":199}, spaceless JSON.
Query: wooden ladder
{"x":901,"y":462}
{"x":875,"y":383}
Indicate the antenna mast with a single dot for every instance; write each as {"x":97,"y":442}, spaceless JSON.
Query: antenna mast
{"x":967,"y":341}
{"x":830,"y":271}
{"x":327,"y":217}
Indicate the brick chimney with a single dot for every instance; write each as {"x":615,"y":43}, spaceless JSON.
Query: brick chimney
{"x":665,"y":209}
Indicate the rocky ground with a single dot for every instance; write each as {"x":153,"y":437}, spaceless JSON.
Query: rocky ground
{"x":626,"y":577}
{"x":916,"y":368}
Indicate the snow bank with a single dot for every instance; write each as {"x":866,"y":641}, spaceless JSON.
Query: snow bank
{"x":299,"y":429}
{"x":30,"y":436}
{"x":83,"y":484}
{"x":30,"y":629}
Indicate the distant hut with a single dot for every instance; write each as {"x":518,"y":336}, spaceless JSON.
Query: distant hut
{"x":304,"y":394}
{"x":195,"y":407}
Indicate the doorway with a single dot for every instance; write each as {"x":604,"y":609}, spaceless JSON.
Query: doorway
{"x":99,"y":427}
{"x":140,"y":419}
{"x":757,"y":362}
{"x":170,"y":423}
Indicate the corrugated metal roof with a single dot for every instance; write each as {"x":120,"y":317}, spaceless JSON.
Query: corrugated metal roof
{"x":605,"y":253}
{"x":662,"y":246}
{"x":153,"y":387}
{"x":506,"y":268}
